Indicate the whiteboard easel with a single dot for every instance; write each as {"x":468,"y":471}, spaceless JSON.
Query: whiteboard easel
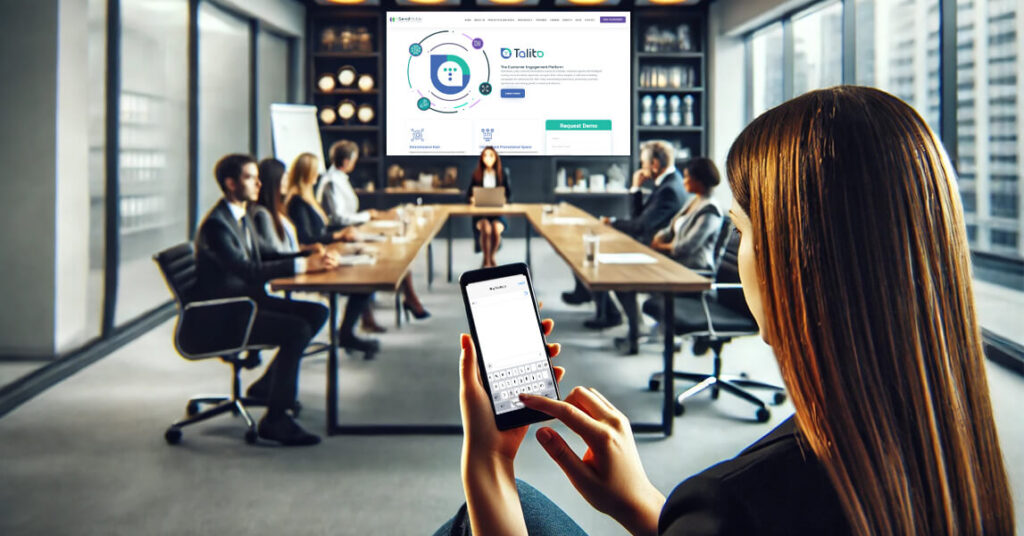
{"x":294,"y":130}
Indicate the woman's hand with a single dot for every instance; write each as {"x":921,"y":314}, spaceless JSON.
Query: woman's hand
{"x":488,"y":476}
{"x":347,"y":234}
{"x":482,"y":439}
{"x":610,"y":475}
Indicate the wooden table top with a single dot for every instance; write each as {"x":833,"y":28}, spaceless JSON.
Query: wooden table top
{"x":563,"y":229}
{"x":393,"y":258}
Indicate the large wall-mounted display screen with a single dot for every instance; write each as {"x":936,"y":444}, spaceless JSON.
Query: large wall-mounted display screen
{"x":528,"y":83}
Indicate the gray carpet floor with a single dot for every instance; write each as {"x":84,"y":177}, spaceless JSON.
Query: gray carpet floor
{"x":88,"y":455}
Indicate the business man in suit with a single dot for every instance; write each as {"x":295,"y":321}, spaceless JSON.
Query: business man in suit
{"x":231,"y":262}
{"x":657,"y":161}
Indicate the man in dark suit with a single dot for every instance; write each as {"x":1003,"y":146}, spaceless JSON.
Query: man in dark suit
{"x":650,"y":214}
{"x":230,"y":262}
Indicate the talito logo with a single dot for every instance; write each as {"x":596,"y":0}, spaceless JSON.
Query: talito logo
{"x":521,"y":53}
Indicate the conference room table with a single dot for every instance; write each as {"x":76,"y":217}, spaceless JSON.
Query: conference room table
{"x":562,"y":226}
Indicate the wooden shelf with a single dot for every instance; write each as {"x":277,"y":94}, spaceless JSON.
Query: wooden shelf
{"x":669,"y":55}
{"x":346,"y":92}
{"x":349,"y":128}
{"x":346,"y":55}
{"x":613,"y":193}
{"x":696,"y":129}
{"x":697,"y":89}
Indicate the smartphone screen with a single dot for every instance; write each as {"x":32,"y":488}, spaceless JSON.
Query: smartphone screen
{"x":512,"y":352}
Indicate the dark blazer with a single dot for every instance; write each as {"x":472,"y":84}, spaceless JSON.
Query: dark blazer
{"x":775,"y":486}
{"x":224,"y":265}
{"x":309,"y":226}
{"x":656,"y":211}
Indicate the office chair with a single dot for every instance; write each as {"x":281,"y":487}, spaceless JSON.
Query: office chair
{"x":713,"y":318}
{"x":210,"y":328}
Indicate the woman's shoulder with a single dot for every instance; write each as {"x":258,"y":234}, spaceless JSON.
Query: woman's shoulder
{"x":258,"y":211}
{"x":774,"y":486}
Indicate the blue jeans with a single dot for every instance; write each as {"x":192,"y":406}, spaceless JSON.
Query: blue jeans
{"x":542,"y":516}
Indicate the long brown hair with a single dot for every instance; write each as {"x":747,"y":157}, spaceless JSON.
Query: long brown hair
{"x":478,"y":173}
{"x":862,"y":255}
{"x":301,"y":178}
{"x":271,"y":172}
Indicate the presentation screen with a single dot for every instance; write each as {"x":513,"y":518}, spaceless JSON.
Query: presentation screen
{"x":528,"y":83}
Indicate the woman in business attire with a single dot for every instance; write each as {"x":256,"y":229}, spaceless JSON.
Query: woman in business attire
{"x":341,"y":205}
{"x":489,"y":173}
{"x":689,"y":238}
{"x":271,"y":222}
{"x":854,"y":262}
{"x":311,"y":227}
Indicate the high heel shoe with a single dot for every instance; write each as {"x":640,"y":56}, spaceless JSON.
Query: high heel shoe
{"x":409,"y":310}
{"x":353,"y":344}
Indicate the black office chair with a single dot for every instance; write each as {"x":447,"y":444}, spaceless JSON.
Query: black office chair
{"x":210,"y":328}
{"x":713,"y":318}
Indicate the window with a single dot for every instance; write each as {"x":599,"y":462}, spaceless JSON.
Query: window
{"x":97,"y":88}
{"x":153,"y":148}
{"x":767,"y":66}
{"x":224,"y":97}
{"x":818,"y":48}
{"x":988,"y":126}
{"x":897,"y":45}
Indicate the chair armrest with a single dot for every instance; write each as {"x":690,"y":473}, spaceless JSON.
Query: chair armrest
{"x":217,"y":327}
{"x":726,"y":286}
{"x":707,"y":313}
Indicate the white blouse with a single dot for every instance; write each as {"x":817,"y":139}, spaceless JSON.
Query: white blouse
{"x":489,"y":180}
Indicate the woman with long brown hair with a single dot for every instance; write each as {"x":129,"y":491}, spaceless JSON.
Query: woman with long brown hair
{"x":312,"y":227}
{"x":854,"y":262}
{"x":487,"y":231}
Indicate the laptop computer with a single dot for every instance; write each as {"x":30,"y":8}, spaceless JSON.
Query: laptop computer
{"x":488,"y":197}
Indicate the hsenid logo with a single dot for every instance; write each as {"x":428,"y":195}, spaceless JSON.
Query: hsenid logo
{"x":521,"y":53}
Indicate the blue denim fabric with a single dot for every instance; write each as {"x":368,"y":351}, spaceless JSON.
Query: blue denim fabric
{"x":543,"y":517}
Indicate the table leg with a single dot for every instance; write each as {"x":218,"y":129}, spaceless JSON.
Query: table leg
{"x":398,"y":310}
{"x":332,"y":364}
{"x":668,"y":380}
{"x":528,"y":245}
{"x":430,"y":265}
{"x":449,"y":224}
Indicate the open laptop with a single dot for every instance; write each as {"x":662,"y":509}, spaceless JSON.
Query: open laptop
{"x":488,"y":197}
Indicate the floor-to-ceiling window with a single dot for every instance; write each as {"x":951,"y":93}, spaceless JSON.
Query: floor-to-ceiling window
{"x":818,"y":47}
{"x":97,"y":89}
{"x":224,"y":94}
{"x":897,"y":47}
{"x":766,"y":69}
{"x":153,"y":147}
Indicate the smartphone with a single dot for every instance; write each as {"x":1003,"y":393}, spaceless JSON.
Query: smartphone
{"x":511,"y":352}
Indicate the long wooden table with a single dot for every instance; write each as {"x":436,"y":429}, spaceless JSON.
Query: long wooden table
{"x":563,"y":229}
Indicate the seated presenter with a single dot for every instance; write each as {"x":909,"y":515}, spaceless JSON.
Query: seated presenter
{"x":487,"y":229}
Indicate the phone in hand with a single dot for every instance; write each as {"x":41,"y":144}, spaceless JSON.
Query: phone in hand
{"x":511,"y":352}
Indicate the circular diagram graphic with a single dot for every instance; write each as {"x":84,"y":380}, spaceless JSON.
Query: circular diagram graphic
{"x":448,"y":72}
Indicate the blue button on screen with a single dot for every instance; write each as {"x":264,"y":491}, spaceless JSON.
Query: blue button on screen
{"x":513,"y":93}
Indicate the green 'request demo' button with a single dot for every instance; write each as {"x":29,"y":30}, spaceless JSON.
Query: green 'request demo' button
{"x":579,"y":124}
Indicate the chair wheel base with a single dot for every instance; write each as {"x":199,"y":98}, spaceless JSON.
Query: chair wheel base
{"x":251,"y":436}
{"x":779,"y":398}
{"x":191,"y":408}
{"x":654,"y":385}
{"x":763,"y":415}
{"x":172,"y":436}
{"x":679,"y":409}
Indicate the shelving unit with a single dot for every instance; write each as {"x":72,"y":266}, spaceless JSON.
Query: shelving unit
{"x":334,"y":42}
{"x":670,"y":60}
